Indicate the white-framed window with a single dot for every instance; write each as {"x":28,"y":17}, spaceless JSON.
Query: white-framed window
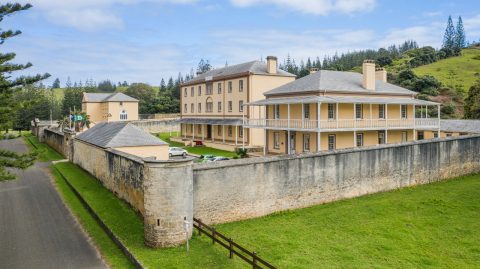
{"x":358,"y":111}
{"x":306,"y":111}
{"x":199,"y":107}
{"x":403,"y":109}
{"x":332,"y":142}
{"x":359,"y":140}
{"x":240,"y":85}
{"x":230,"y":87}
{"x":421,"y":135}
{"x":331,"y":111}
{"x":306,"y":142}
{"x":276,"y":111}
{"x":209,"y":90}
{"x":199,"y":90}
{"x":123,"y":115}
{"x":381,"y":111}
{"x":240,"y":131}
{"x":209,"y":105}
{"x":381,"y":137}
{"x":219,"y":106}
{"x":192,"y":91}
{"x":185,"y":108}
{"x":230,"y":131}
{"x":435,"y":134}
{"x":192,"y":108}
{"x":240,"y":105}
{"x":276,"y":140}
{"x":219,"y":88}
{"x":404,"y":136}
{"x":185,"y":92}
{"x":230,"y":106}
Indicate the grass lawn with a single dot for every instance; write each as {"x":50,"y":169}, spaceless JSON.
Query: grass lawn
{"x":45,"y":153}
{"x":430,"y":226}
{"x":195,"y":150}
{"x":128,"y":226}
{"x":455,"y":70}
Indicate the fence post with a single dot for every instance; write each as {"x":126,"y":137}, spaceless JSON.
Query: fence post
{"x":213,"y":234}
{"x":231,"y":248}
{"x":254,"y":255}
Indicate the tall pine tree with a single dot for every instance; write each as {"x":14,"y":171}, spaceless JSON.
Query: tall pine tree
{"x":449,"y":36}
{"x":9,"y":85}
{"x":460,"y":39}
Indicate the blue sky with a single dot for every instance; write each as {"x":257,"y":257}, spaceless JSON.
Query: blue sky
{"x":145,"y":40}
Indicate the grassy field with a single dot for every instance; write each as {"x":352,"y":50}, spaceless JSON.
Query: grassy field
{"x":45,"y":153}
{"x":430,"y":226}
{"x":195,"y":150}
{"x":464,"y":69}
{"x":128,"y":226}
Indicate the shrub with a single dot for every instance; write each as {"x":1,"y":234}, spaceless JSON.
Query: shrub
{"x":241,"y":152}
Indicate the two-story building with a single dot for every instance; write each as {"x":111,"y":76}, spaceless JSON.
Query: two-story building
{"x":108,"y":107}
{"x":212,"y":103}
{"x":332,"y":110}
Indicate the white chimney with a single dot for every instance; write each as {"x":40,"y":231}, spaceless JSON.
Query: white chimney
{"x":369,"y":74}
{"x":271,"y":64}
{"x":381,"y":74}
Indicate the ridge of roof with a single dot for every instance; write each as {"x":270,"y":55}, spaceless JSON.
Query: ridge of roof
{"x":104,"y":97}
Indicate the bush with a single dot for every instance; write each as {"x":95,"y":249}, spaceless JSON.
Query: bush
{"x":241,"y":152}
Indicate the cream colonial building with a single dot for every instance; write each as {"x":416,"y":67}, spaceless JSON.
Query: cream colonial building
{"x":108,"y":107}
{"x":332,"y":110}
{"x":212,"y":103}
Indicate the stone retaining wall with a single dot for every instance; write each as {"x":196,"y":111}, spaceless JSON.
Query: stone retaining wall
{"x":158,"y":126}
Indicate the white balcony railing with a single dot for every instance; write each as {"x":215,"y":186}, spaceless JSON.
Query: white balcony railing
{"x":342,"y":124}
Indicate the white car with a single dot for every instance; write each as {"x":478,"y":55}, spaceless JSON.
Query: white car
{"x":174,"y":151}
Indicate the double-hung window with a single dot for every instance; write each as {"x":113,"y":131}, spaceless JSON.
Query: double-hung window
{"x":306,"y":111}
{"x":219,"y":88}
{"x":358,"y":111}
{"x":331,"y":142}
{"x":192,"y":91}
{"x":381,"y":137}
{"x":306,"y":142}
{"x":219,"y":106}
{"x":360,"y":140}
{"x":230,"y":106}
{"x":199,"y":90}
{"x":240,"y":105}
{"x":381,"y":111}
{"x":199,"y":107}
{"x":185,"y":92}
{"x":331,"y":111}
{"x":403,"y":109}
{"x":276,"y":140}
{"x":240,"y":85}
{"x":230,"y":87}
{"x":192,"y":108}
{"x":276,"y":111}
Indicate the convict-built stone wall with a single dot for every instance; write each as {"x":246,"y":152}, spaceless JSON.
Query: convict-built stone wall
{"x":158,"y":125}
{"x":168,"y":193}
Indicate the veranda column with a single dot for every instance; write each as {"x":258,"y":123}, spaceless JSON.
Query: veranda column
{"x":354,"y":124}
{"x":288,"y":125}
{"x":386,"y":125}
{"x":243,"y":124}
{"x":236,"y":134}
{"x":336,"y":114}
{"x":414,"y":124}
{"x":438,"y":117}
{"x":185,"y":131}
{"x":203,"y":131}
{"x":223,"y":133}
{"x":318,"y":128}
{"x":213,"y":132}
{"x":193,"y":131}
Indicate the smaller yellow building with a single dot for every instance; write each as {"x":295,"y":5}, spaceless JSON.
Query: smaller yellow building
{"x":108,"y":107}
{"x":125,"y":137}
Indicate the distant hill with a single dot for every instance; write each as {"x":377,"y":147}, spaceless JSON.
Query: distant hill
{"x":461,"y":70}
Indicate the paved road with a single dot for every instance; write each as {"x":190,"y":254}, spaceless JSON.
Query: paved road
{"x":36,"y":229}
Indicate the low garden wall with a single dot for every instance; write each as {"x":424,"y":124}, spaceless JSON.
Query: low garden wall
{"x":158,"y":126}
{"x":55,"y":139}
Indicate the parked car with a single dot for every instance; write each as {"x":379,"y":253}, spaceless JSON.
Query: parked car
{"x":174,"y":151}
{"x":220,"y":158}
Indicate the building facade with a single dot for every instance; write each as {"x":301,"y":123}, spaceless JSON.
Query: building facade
{"x":212,"y":103}
{"x":108,"y":107}
{"x":329,"y":110}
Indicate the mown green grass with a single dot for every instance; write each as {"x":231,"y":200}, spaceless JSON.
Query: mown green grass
{"x":110,"y":253}
{"x":128,"y":226}
{"x":464,"y":69}
{"x":45,"y":153}
{"x":195,"y":150}
{"x":430,"y":226}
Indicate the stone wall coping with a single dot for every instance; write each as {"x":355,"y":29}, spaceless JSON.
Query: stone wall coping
{"x":267,"y":159}
{"x":152,"y":162}
{"x":55,"y":131}
{"x":155,"y":120}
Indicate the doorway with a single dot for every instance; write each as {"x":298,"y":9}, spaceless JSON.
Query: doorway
{"x":292,"y":142}
{"x":209,"y":131}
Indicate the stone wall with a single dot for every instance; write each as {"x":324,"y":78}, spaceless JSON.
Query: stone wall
{"x":242,"y":189}
{"x":54,"y":139}
{"x":120,"y":172}
{"x":158,"y":126}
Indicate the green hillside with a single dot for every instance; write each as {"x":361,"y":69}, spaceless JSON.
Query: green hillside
{"x":462,"y":70}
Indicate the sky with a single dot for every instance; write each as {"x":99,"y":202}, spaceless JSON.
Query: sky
{"x":147,"y":40}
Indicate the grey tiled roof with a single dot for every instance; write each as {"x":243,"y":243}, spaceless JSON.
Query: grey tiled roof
{"x":466,"y":126}
{"x":108,"y":97}
{"x":254,"y":67}
{"x":336,"y":81}
{"x":118,"y":134}
{"x":340,"y":99}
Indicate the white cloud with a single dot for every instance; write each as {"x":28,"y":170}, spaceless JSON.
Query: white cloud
{"x":316,"y":7}
{"x":89,"y":15}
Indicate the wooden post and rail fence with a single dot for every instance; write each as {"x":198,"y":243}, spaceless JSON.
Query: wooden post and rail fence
{"x":233,"y":248}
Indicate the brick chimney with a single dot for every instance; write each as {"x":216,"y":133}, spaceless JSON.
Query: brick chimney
{"x":271,"y":64}
{"x":381,"y":74}
{"x":369,"y":74}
